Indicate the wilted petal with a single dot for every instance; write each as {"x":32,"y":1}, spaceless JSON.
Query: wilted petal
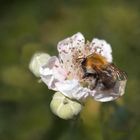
{"x":102,"y":47}
{"x":72,"y":89}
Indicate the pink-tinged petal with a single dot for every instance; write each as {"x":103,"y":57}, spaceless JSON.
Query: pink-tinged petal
{"x":72,"y":89}
{"x":67,"y":45}
{"x":59,"y":73}
{"x":69,"y":50}
{"x":103,"y":95}
{"x":102,"y":47}
{"x":47,"y":77}
{"x":52,"y":72}
{"x":50,"y":81}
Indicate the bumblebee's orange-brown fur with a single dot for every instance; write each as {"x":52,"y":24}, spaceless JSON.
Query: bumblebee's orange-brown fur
{"x":96,"y":61}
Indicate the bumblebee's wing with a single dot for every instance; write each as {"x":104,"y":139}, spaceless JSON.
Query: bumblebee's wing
{"x":119,"y":74}
{"x":108,"y":94}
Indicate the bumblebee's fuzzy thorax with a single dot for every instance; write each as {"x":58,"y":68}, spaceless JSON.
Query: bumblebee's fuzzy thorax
{"x":96,"y":59}
{"x":93,"y":62}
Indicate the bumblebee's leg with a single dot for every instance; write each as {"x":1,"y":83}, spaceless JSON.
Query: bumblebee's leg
{"x":94,"y":75}
{"x":97,"y":79}
{"x":85,"y":75}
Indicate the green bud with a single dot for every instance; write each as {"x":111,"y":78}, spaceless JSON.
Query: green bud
{"x":63,"y":107}
{"x":38,"y":60}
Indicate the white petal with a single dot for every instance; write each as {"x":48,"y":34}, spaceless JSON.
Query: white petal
{"x":50,"y":81}
{"x":75,"y":41}
{"x":45,"y":71}
{"x":103,"y":95}
{"x":102,"y":47}
{"x":72,"y":89}
{"x":69,"y":48}
{"x":52,"y":73}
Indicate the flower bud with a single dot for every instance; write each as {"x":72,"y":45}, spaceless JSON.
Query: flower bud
{"x":38,"y":60}
{"x":63,"y":107}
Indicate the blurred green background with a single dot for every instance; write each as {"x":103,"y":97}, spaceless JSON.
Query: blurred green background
{"x":29,"y":26}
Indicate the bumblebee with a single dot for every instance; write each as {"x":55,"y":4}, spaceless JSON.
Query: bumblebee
{"x":106,"y":74}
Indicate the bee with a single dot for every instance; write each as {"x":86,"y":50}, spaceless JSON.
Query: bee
{"x":106,"y":74}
